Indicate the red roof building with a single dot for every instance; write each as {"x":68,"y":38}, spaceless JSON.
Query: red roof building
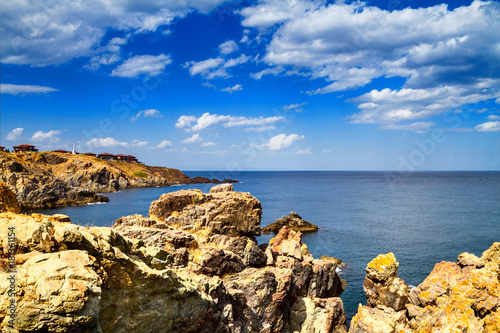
{"x":132,"y":159}
{"x":61,"y":151}
{"x":90,"y":154}
{"x":2,"y":148}
{"x":105,"y":156}
{"x":121,"y":157}
{"x":24,"y":148}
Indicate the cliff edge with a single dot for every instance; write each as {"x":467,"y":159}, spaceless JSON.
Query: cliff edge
{"x":191,"y":266}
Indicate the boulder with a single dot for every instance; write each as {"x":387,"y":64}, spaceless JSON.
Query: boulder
{"x":222,"y":188}
{"x":293,"y":222}
{"x":229,"y":213}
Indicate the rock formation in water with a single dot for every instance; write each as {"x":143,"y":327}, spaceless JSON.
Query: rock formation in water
{"x":157,"y":274}
{"x":293,"y":221}
{"x":455,"y":297}
{"x":44,"y":180}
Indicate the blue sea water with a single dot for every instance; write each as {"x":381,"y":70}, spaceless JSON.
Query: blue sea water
{"x":423,"y":218}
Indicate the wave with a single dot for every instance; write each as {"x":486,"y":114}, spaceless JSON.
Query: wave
{"x":96,"y":203}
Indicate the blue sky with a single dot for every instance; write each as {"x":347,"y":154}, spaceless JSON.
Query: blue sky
{"x":257,"y":85}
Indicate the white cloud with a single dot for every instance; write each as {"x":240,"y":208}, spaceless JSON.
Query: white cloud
{"x":192,"y":123}
{"x":267,"y":71}
{"x":138,"y":143}
{"x":493,"y":117}
{"x":143,"y":64}
{"x":150,"y":113}
{"x":230,"y":90}
{"x":193,"y":139}
{"x":228,"y":47}
{"x":53,"y":32}
{"x":261,"y":129}
{"x":50,"y":136}
{"x":208,"y":144}
{"x":433,"y":49}
{"x":390,"y":106}
{"x":297,"y":107}
{"x":106,"y":142}
{"x":280,"y":141}
{"x":214,"y":67}
{"x":165,"y":144}
{"x":490,"y":126}
{"x":15,"y":134}
{"x":416,"y":126}
{"x":303,"y":151}
{"x":14,"y":89}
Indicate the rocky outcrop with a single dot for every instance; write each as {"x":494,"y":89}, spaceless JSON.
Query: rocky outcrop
{"x":455,"y":297}
{"x":293,"y":221}
{"x":148,"y":275}
{"x":8,"y":200}
{"x":230,"y":213}
{"x":44,"y":180}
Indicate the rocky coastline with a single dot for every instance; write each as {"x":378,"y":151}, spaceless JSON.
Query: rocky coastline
{"x":48,"y":179}
{"x":193,"y":265}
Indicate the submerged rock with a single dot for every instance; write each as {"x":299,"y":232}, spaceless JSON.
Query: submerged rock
{"x":293,"y":221}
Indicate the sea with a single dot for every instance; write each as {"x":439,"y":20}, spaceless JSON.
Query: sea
{"x":422,"y":217}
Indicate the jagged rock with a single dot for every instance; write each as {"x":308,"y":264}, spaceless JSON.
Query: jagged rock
{"x":222,"y":188}
{"x":455,"y":297}
{"x":230,"y":213}
{"x":339,"y":262}
{"x":161,"y":279}
{"x":293,"y":221}
{"x":380,"y":319}
{"x":8,"y":200}
{"x":318,"y":315}
{"x":382,"y":285}
{"x":468,"y":259}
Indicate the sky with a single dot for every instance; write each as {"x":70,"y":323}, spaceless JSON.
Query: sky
{"x":399,"y":85}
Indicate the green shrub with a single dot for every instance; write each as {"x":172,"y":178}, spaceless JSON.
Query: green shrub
{"x":141,"y":174}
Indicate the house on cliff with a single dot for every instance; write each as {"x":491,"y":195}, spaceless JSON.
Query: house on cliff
{"x":106,"y":156}
{"x":25,"y":148}
{"x":2,"y":148}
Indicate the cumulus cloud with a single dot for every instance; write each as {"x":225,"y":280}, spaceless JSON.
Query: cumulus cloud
{"x":433,"y":49}
{"x":53,"y":32}
{"x":490,"y":126}
{"x":192,"y":123}
{"x":208,"y":144}
{"x":50,"y":136}
{"x":214,"y":67}
{"x":14,"y":89}
{"x":193,"y":139}
{"x":15,"y":134}
{"x":230,"y":90}
{"x":280,"y":141}
{"x":106,"y":143}
{"x":228,"y":47}
{"x":143,"y":64}
{"x":150,"y":113}
{"x":164,"y":144}
{"x":389,"y":106}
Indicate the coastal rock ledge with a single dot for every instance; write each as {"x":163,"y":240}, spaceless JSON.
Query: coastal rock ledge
{"x":191,"y":266}
{"x":455,"y":297}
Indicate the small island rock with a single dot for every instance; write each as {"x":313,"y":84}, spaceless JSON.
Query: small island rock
{"x":293,"y":221}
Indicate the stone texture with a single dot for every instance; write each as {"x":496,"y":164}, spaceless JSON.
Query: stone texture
{"x":222,"y":188}
{"x":230,"y":213}
{"x":382,"y":285}
{"x":455,"y":297}
{"x":8,"y":200}
{"x":162,"y":279}
{"x":293,"y":221}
